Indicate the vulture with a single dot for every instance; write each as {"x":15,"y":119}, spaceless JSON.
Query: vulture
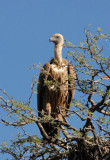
{"x":56,"y":88}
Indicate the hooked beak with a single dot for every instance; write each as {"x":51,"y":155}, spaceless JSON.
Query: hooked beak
{"x":52,"y":39}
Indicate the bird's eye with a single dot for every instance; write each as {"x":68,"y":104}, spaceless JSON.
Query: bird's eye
{"x":57,"y":36}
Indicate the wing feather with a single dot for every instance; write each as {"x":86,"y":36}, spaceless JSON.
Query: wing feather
{"x":71,"y":84}
{"x":41,"y":88}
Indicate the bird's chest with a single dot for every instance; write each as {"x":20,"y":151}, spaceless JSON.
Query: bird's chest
{"x":57,"y":78}
{"x":59,"y":71}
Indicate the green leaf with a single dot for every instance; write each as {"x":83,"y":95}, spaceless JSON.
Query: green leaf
{"x":99,"y":29}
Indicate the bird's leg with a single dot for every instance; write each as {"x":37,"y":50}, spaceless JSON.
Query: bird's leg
{"x":48,"y":109}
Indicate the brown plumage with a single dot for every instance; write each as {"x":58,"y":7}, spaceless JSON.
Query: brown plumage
{"x":56,"y":87}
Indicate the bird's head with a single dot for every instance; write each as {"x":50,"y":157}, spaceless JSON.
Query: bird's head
{"x":57,"y":39}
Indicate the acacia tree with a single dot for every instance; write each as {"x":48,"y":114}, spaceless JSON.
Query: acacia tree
{"x":91,"y":108}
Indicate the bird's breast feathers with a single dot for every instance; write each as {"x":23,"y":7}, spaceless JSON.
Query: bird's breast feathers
{"x":59,"y":69}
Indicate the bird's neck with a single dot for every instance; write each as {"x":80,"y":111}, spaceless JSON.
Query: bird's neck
{"x":58,"y":53}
